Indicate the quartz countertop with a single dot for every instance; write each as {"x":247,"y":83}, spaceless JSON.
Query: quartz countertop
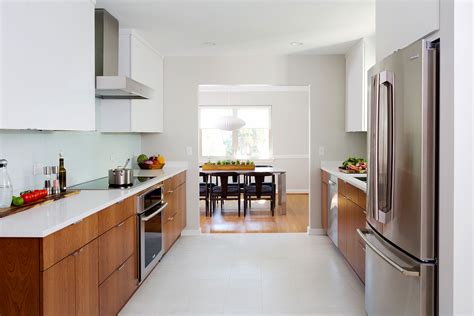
{"x":46,"y":219}
{"x":332,"y":167}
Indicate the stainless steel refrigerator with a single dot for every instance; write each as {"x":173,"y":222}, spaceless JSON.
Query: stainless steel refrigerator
{"x":401,"y":238}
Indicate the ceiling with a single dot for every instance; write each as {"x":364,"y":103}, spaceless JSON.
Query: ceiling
{"x":246,"y":27}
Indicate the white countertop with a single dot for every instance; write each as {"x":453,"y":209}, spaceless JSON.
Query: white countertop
{"x":49,"y":218}
{"x":332,"y":167}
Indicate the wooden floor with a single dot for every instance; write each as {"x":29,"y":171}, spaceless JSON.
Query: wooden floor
{"x":260,"y":219}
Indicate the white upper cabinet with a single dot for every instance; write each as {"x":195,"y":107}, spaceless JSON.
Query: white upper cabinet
{"x":400,"y":23}
{"x":139,"y":61}
{"x":359,"y":59}
{"x":47,"y":65}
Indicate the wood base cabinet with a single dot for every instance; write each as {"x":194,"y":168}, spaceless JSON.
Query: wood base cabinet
{"x":351,"y":216}
{"x":324,"y":199}
{"x":175,"y":214}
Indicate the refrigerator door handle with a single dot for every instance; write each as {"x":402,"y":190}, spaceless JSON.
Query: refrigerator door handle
{"x":405,"y":271}
{"x":384,"y":148}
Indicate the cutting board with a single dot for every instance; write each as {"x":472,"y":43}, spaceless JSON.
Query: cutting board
{"x":4,"y":212}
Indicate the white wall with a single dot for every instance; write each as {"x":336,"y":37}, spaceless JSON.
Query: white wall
{"x":456,"y":225}
{"x":325,"y":75}
{"x":401,"y":22}
{"x":289,"y":124}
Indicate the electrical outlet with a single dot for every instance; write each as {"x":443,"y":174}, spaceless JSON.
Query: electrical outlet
{"x":38,"y":168}
{"x":321,"y":151}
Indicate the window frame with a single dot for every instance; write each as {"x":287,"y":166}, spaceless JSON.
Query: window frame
{"x":235,"y":139}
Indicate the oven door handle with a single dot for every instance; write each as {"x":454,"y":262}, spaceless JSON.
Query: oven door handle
{"x":147,"y":218}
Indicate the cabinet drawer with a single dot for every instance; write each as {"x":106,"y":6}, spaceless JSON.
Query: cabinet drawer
{"x":115,"y":246}
{"x":118,"y":288}
{"x":362,"y":200}
{"x":69,"y":239}
{"x":115,"y":214}
{"x":172,"y":183}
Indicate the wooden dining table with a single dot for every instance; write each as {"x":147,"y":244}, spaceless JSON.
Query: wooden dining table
{"x":281,"y":182}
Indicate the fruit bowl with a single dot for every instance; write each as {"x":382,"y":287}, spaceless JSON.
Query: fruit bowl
{"x":156,"y":165}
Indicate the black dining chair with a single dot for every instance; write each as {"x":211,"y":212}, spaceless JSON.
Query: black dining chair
{"x":225,"y":190}
{"x":204,"y":190}
{"x":256,"y":188}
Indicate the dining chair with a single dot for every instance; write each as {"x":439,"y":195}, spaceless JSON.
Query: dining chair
{"x":225,"y":190}
{"x":204,"y":190}
{"x":259,"y":189}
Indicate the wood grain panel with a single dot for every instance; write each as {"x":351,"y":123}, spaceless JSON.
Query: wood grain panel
{"x":324,"y":177}
{"x":115,"y":214}
{"x":58,"y":290}
{"x":62,"y":243}
{"x":362,"y":201}
{"x":87,"y":280}
{"x":324,"y":205}
{"x":19,"y":276}
{"x":182,"y":205}
{"x":342,"y":224}
{"x":118,"y":288}
{"x":115,"y":246}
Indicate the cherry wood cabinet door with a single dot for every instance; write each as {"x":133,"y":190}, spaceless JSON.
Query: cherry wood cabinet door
{"x":115,"y":246}
{"x":87,"y":280}
{"x":324,"y":205}
{"x":342,"y":229}
{"x":181,"y":200}
{"x":59,"y":290}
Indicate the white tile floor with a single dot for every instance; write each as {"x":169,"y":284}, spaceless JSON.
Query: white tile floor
{"x":250,"y":274}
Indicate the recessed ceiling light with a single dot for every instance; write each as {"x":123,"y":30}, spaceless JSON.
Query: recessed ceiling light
{"x":296,"y":43}
{"x":209,"y":43}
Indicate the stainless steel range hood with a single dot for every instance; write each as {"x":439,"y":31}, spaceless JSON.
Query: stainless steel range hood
{"x":109,"y":85}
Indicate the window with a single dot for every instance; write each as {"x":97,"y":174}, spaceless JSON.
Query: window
{"x":253,"y":141}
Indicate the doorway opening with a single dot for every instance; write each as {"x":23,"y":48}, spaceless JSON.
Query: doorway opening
{"x":263,"y":129}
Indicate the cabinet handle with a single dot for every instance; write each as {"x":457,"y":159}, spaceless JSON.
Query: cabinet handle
{"x":170,"y":191}
{"x":121,"y":267}
{"x":77,"y":222}
{"x":121,"y":224}
{"x":78,"y":252}
{"x":170,"y":219}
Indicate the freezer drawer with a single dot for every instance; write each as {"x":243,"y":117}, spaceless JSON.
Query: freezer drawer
{"x":396,"y":284}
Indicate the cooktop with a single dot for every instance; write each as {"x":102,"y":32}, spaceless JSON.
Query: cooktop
{"x":103,"y":184}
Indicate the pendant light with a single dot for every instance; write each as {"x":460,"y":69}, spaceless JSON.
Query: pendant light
{"x":229,"y":123}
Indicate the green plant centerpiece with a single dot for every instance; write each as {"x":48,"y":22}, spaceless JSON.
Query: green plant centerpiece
{"x":229,"y":165}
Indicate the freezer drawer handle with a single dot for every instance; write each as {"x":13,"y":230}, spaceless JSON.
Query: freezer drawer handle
{"x":402,"y":270}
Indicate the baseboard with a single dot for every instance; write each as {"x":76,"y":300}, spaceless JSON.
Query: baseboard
{"x":297,"y":191}
{"x":191,"y":232}
{"x":316,"y":231}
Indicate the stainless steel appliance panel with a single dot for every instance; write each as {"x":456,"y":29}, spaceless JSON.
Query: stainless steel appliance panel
{"x":332,"y":209}
{"x":401,"y":182}
{"x":395,"y":284}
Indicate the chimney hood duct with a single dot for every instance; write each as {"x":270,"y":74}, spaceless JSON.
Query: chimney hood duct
{"x":109,"y":85}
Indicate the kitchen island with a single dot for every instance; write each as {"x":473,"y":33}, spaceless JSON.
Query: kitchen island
{"x":80,"y":255}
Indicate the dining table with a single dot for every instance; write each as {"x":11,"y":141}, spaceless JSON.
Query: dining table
{"x":281,"y":181}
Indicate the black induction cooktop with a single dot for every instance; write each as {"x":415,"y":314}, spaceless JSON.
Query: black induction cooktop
{"x":103,"y":184}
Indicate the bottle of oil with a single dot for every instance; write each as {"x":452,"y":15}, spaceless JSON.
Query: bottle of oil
{"x":62,"y":174}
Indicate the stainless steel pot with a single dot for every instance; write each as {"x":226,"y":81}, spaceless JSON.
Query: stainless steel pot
{"x":121,"y":176}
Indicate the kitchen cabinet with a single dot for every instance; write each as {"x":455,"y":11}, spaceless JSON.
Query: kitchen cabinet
{"x":70,"y":287}
{"x":87,"y":268}
{"x":47,"y":78}
{"x":139,"y":61}
{"x":359,"y":59}
{"x":324,"y":199}
{"x":400,"y":23}
{"x":351,"y":216}
{"x":175,"y":214}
